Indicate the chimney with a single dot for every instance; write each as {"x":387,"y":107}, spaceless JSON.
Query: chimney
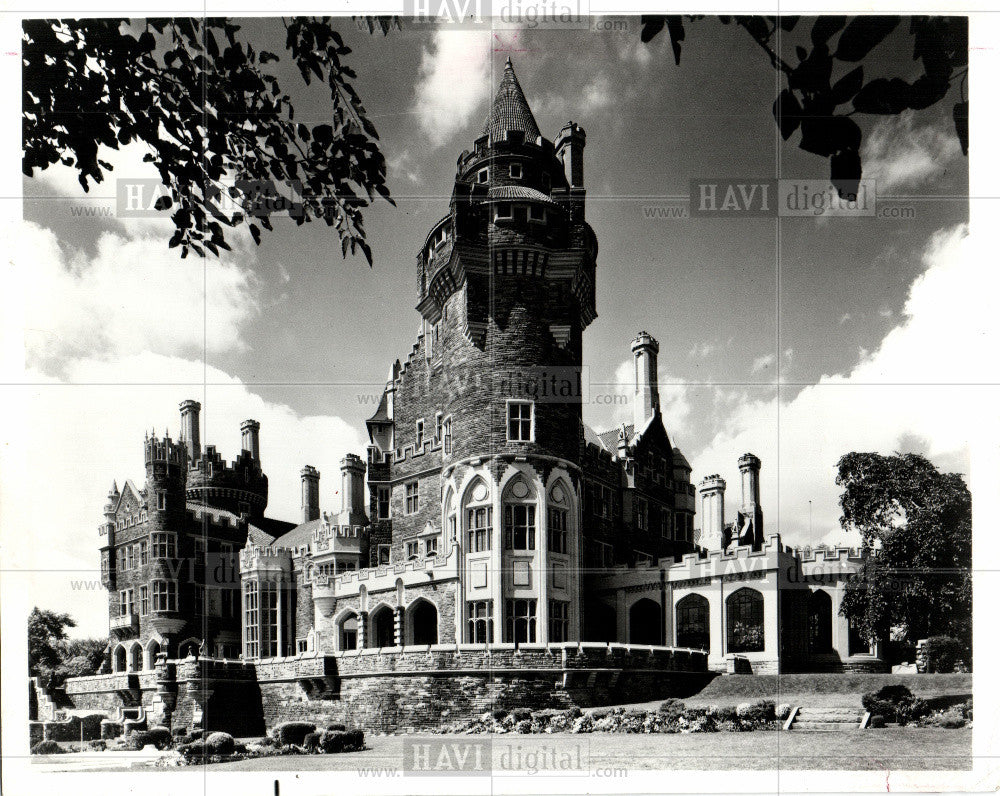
{"x":310,"y":493}
{"x":251,"y":438}
{"x":646,"y":400}
{"x":352,"y":469}
{"x":191,"y":428}
{"x":569,"y":146}
{"x":713,"y":506}
{"x":750,"y":501}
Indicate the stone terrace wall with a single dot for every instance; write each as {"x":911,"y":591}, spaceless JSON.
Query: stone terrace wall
{"x":428,"y":687}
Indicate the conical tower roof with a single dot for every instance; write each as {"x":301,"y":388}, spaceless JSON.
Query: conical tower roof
{"x":510,"y":110}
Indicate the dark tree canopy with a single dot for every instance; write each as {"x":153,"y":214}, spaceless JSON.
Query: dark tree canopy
{"x":822,"y":109}
{"x":52,"y":654}
{"x":208,"y":107}
{"x":916,"y":529}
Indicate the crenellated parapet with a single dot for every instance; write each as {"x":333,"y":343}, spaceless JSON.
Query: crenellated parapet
{"x":239,"y":486}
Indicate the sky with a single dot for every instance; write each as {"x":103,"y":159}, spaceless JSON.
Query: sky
{"x":799,"y":339}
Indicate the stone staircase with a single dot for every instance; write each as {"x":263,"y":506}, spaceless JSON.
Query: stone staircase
{"x":833,"y":718}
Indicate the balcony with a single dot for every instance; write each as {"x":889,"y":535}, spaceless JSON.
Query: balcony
{"x":125,"y":624}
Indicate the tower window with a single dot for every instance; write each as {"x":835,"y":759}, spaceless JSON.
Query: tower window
{"x":483,"y":175}
{"x":419,"y":438}
{"x":480,"y":529}
{"x":519,"y":527}
{"x":520,"y":421}
{"x":383,"y":502}
{"x":164,"y":595}
{"x":143,"y":600}
{"x":438,"y":427}
{"x":161,"y":501}
{"x":515,"y":171}
{"x":412,"y":497}
{"x":504,"y":210}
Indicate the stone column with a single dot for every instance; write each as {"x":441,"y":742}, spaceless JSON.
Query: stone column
{"x":398,"y":626}
{"x":362,"y":629}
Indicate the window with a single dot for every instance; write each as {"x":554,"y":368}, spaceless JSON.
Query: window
{"x":642,"y":515}
{"x":164,"y":595}
{"x":161,"y":501}
{"x":431,"y":546}
{"x":412,"y":550}
{"x":605,"y":554}
{"x":516,"y":171}
{"x":558,"y":542}
{"x":483,"y":175}
{"x":480,"y":529}
{"x":198,"y":601}
{"x":130,"y":552}
{"x":302,"y":645}
{"x":164,"y":545}
{"x":665,"y":524}
{"x":251,"y":621}
{"x":692,"y":622}
{"x":519,"y":421}
{"x":228,"y":602}
{"x":143,"y":600}
{"x":520,"y":624}
{"x":349,"y":632}
{"x":453,"y":528}
{"x":536,"y":213}
{"x":558,"y":620}
{"x":480,"y":622}
{"x":199,"y":550}
{"x":418,"y":440}
{"x":383,"y":554}
{"x":438,"y":427}
{"x":503,"y":210}
{"x":269,"y":642}
{"x":383,"y":502}
{"x":345,"y":566}
{"x":446,"y":431}
{"x":412,"y":497}
{"x":125,"y":602}
{"x":745,"y":621}
{"x":642,"y":559}
{"x":143,"y":553}
{"x":519,"y":527}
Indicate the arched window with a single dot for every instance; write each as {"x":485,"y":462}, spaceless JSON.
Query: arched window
{"x":478,"y":518}
{"x":692,"y":622}
{"x":135,"y":658}
{"x":820,"y":622}
{"x":518,"y":516}
{"x":645,"y":622}
{"x":422,"y":618}
{"x":121,"y":659}
{"x":383,"y":627}
{"x":348,"y":632}
{"x":450,"y":519}
{"x":152,"y":650}
{"x":745,"y":621}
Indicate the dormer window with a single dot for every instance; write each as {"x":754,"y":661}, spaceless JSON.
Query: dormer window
{"x":483,"y":176}
{"x":516,"y":171}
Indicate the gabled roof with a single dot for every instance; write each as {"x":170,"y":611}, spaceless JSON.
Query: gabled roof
{"x":510,"y":110}
{"x":129,"y":487}
{"x":610,"y":438}
{"x":299,"y":536}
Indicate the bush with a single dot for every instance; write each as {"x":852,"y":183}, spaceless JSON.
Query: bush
{"x":948,"y":719}
{"x":193,"y":751}
{"x":895,"y":702}
{"x":196,"y":735}
{"x":499,"y":715}
{"x":333,"y":741}
{"x":98,"y":745}
{"x":783,"y":711}
{"x":337,"y":727}
{"x":47,"y":748}
{"x":220,"y":743}
{"x":523,"y":727}
{"x":944,"y":653}
{"x":521,"y":714}
{"x":293,"y":732}
{"x":574,"y":712}
{"x":311,"y":741}
{"x":160,"y":737}
{"x":671,"y":709}
{"x":966,"y":709}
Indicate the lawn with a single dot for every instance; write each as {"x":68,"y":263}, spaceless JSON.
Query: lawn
{"x":888,"y":749}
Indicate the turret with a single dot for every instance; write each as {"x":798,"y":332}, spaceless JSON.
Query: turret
{"x":713,"y":506}
{"x":646,"y":397}
{"x":310,"y":493}
{"x":191,"y":428}
{"x":352,"y":469}
{"x":251,"y":438}
{"x":749,"y":527}
{"x":569,"y":149}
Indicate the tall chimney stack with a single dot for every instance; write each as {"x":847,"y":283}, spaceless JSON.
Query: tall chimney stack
{"x":751,"y":531}
{"x":191,"y":428}
{"x":646,"y":399}
{"x":713,"y":507}
{"x":310,"y":493}
{"x":352,"y":469}
{"x":251,"y":438}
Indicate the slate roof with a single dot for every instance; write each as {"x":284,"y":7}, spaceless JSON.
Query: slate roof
{"x":508,"y":192}
{"x":510,"y":110}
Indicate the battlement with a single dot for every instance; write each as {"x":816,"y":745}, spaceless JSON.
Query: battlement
{"x":164,"y":450}
{"x":818,"y":553}
{"x":441,"y":567}
{"x":256,"y":557}
{"x":233,"y":486}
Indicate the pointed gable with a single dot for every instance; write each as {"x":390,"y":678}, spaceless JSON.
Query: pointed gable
{"x":510,"y":110}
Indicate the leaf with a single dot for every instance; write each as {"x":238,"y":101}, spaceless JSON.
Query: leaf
{"x":824,"y":27}
{"x":883,"y":96}
{"x":862,"y":34}
{"x":255,"y":233}
{"x":163,"y":203}
{"x":847,"y":86}
{"x":675,"y":27}
{"x":652,"y":24}
{"x":960,"y":115}
{"x":845,"y":173}
{"x":787,"y":113}
{"x":788,"y":23}
{"x":827,"y":135}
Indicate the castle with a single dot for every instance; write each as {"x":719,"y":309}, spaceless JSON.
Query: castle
{"x":501,"y":549}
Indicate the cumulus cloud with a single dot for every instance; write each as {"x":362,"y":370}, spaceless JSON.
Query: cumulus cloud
{"x":597,"y":94}
{"x":912,"y":392}
{"x":78,"y":438}
{"x":675,"y":400}
{"x":899,"y":155}
{"x":762,"y":363}
{"x":454,"y":83}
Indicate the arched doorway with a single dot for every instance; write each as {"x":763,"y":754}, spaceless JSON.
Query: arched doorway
{"x":645,"y":622}
{"x":121,"y":659}
{"x":152,"y":650}
{"x":692,"y":614}
{"x":422,"y":617}
{"x":383,"y":627}
{"x":189,"y":648}
{"x":745,"y":621}
{"x":135,"y":658}
{"x":347,"y":632}
{"x":820,"y":622}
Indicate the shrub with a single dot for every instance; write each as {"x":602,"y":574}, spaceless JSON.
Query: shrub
{"x":521,"y":714}
{"x":523,"y":727}
{"x":724,"y":713}
{"x":499,"y":714}
{"x":671,"y":709}
{"x":98,"y":745}
{"x":951,"y":718}
{"x":783,"y":711}
{"x":193,"y":751}
{"x":600,"y":713}
{"x":333,"y":741}
{"x":47,"y":748}
{"x":966,"y":709}
{"x":110,"y":729}
{"x":944,"y":653}
{"x":895,"y":702}
{"x":355,"y":740}
{"x":159,"y":736}
{"x":337,"y":727}
{"x":220,"y":743}
{"x":293,"y":732}
{"x":311,"y":741}
{"x":574,"y":712}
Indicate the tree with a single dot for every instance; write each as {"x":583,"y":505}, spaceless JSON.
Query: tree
{"x":809,"y":102}
{"x":916,"y":532}
{"x":82,"y":656}
{"x":46,"y":635}
{"x":209,"y":108}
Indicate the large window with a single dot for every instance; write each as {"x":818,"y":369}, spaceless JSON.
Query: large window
{"x":519,"y":421}
{"x":125,"y":602}
{"x":143,"y":553}
{"x":480,"y":528}
{"x":558,"y":541}
{"x":251,"y":621}
{"x":745,"y":621}
{"x":480,"y":621}
{"x":164,"y":545}
{"x":261,"y":606}
{"x":692,"y":622}
{"x":412,"y":497}
{"x":164,"y":595}
{"x":520,"y":621}
{"x":143,"y":600}
{"x":558,"y":620}
{"x":383,"y":502}
{"x":519,"y":527}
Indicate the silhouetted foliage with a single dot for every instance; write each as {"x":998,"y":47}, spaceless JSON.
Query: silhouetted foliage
{"x":810,"y":103}
{"x":52,"y":656}
{"x":211,"y":112}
